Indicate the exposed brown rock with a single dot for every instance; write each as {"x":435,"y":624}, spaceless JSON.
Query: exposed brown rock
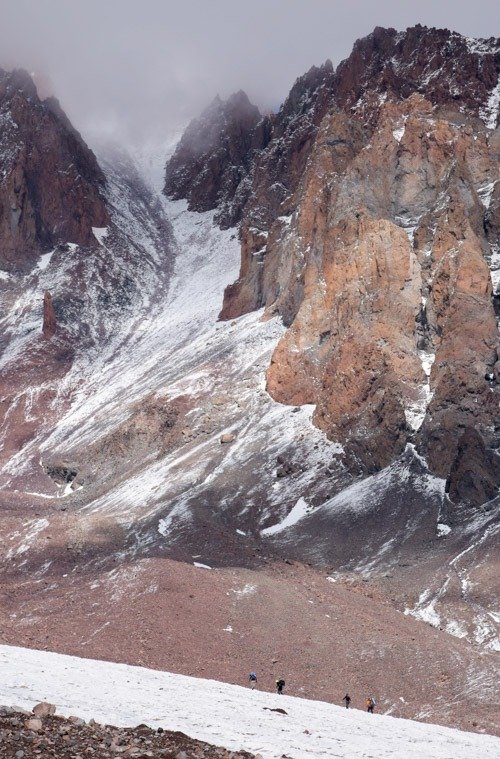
{"x":350,"y":348}
{"x":362,"y":296}
{"x":355,"y":336}
{"x":279,"y":167}
{"x":437,"y":63}
{"x":386,"y":65}
{"x":44,"y":709}
{"x":474,"y":473}
{"x":49,"y":317}
{"x":34,"y":725}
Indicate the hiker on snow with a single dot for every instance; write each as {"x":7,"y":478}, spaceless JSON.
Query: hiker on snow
{"x":252,"y":678}
{"x":370,"y":705}
{"x":280,"y":684}
{"x":347,"y":700}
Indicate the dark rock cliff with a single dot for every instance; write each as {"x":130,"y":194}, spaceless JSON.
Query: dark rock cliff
{"x":50,"y":182}
{"x":212,"y":161}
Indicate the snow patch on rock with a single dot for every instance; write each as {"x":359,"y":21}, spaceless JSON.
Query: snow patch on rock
{"x":489,"y":114}
{"x":300,"y":510}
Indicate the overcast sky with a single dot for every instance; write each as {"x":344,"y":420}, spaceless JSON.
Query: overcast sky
{"x":137,"y":67}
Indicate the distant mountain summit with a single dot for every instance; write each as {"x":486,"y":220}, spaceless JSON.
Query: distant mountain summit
{"x":211,"y":163}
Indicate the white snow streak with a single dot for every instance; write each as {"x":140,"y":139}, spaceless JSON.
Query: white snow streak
{"x":415,"y":412}
{"x":300,"y":510}
{"x":489,"y":113}
{"x":100,"y":234}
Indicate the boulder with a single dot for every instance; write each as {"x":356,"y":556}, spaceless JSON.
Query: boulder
{"x":78,"y":721}
{"x":44,"y":709}
{"x":33,"y":724}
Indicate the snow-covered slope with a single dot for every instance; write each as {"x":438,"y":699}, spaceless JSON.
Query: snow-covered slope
{"x":227,"y":715}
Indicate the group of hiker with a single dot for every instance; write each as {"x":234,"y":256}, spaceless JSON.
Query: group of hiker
{"x":280,"y":684}
{"x":369,"y":703}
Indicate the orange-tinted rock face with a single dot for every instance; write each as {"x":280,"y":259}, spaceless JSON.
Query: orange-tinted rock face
{"x":49,"y":182}
{"x":388,"y":246}
{"x":386,"y":67}
{"x":380,"y":267}
{"x":351,"y":348}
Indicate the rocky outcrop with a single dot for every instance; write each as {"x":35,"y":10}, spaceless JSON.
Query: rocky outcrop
{"x":386,"y":259}
{"x":452,"y":71}
{"x":49,"y":317}
{"x":50,"y":182}
{"x":475,"y":472}
{"x":211,"y":164}
{"x":275,"y":177}
{"x":279,"y":168}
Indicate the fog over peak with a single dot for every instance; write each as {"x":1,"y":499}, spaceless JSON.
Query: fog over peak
{"x":137,"y":70}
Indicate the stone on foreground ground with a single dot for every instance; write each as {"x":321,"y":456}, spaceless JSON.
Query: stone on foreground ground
{"x":69,"y":738}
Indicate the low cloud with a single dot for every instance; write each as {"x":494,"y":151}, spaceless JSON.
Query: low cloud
{"x":138,"y":70}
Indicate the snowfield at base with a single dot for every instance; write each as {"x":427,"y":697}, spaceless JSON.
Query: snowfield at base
{"x":226,"y":715}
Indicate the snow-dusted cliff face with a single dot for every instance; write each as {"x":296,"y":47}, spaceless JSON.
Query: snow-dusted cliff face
{"x":211,"y":163}
{"x":137,"y":427}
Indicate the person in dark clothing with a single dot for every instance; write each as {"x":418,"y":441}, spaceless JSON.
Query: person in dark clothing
{"x":347,"y":700}
{"x":252,"y":679}
{"x":370,"y":705}
{"x":280,"y":684}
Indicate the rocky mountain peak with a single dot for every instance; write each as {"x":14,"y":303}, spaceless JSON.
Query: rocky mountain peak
{"x":446,"y":67}
{"x":17,"y":81}
{"x":279,"y":165}
{"x":213,"y":158}
{"x":50,"y":182}
{"x":305,"y":90}
{"x":450,"y":71}
{"x":239,"y":102}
